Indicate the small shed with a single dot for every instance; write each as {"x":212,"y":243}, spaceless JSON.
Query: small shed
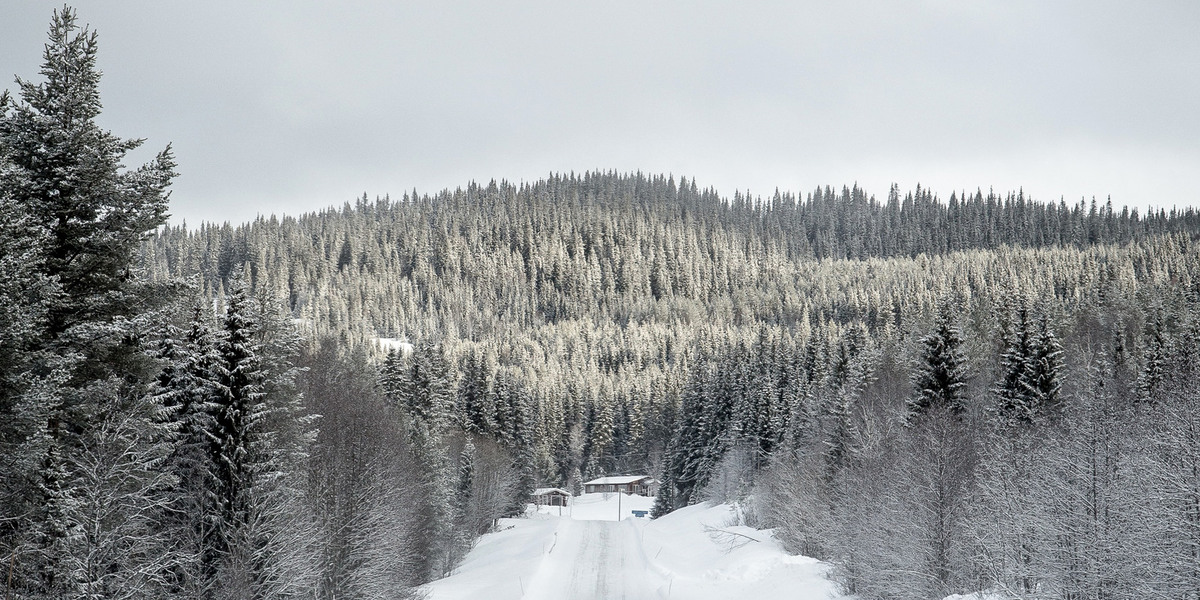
{"x":643,"y":485}
{"x":551,"y":497}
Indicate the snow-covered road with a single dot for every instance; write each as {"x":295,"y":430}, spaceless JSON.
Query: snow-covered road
{"x":694,"y":554}
{"x":592,"y":560}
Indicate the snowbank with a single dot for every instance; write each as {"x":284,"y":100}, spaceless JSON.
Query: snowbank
{"x":701,"y":556}
{"x":501,"y":563}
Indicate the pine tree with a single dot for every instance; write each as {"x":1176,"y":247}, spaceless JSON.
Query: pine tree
{"x":185,"y":390}
{"x":1014,"y":403}
{"x":1156,"y":357}
{"x":238,"y":413}
{"x":941,"y":378}
{"x":474,"y":397}
{"x":428,"y":390}
{"x":71,"y":224}
{"x":664,"y":499}
{"x":599,"y":434}
{"x":1043,"y":380}
{"x":67,"y":173}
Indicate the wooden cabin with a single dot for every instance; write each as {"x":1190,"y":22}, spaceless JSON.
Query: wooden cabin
{"x":551,"y":497}
{"x":643,"y":485}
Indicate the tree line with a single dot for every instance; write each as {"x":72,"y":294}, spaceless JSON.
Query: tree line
{"x":601,"y":296}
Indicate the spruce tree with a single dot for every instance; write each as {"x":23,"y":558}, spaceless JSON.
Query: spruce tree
{"x":1043,"y":380}
{"x":664,"y":499}
{"x":28,"y":393}
{"x":1031,"y":371}
{"x":238,"y":413}
{"x":1156,"y":357}
{"x":428,"y":389}
{"x":282,"y":533}
{"x":68,"y":175}
{"x":599,"y":434}
{"x":391,"y":377}
{"x":475,"y":408}
{"x":521,"y":445}
{"x":1012,"y":394}
{"x":940,"y":380}
{"x":259,"y":437}
{"x":703,"y":433}
{"x":185,"y":390}
{"x":501,"y":400}
{"x":72,"y":220}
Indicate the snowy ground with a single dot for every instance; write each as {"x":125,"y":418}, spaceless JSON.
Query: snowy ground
{"x":601,"y":507}
{"x":691,"y":554}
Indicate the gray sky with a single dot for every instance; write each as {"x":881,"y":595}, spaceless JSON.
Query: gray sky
{"x":291,"y":106}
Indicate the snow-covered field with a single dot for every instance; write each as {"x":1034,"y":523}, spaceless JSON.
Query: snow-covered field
{"x":692,"y":554}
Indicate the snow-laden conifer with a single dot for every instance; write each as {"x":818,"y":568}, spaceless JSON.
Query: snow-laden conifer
{"x":940,"y":380}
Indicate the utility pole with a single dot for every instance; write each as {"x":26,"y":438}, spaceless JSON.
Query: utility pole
{"x":619,"y":504}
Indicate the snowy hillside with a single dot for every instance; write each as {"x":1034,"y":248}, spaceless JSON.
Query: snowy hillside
{"x":692,"y":553}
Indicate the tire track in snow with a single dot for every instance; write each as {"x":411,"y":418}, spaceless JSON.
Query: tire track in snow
{"x":604,"y":570}
{"x":592,"y":560}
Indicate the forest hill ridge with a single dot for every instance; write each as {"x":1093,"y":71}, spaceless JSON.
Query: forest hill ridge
{"x":623,"y":323}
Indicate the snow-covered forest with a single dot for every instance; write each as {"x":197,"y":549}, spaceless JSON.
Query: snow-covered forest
{"x":935,"y":395}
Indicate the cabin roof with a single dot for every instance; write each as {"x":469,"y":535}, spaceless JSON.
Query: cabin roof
{"x":618,"y":480}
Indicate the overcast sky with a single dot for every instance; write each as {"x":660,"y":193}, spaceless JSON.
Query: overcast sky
{"x":291,"y":106}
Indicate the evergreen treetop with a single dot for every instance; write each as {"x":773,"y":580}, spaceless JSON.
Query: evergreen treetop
{"x":68,"y":175}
